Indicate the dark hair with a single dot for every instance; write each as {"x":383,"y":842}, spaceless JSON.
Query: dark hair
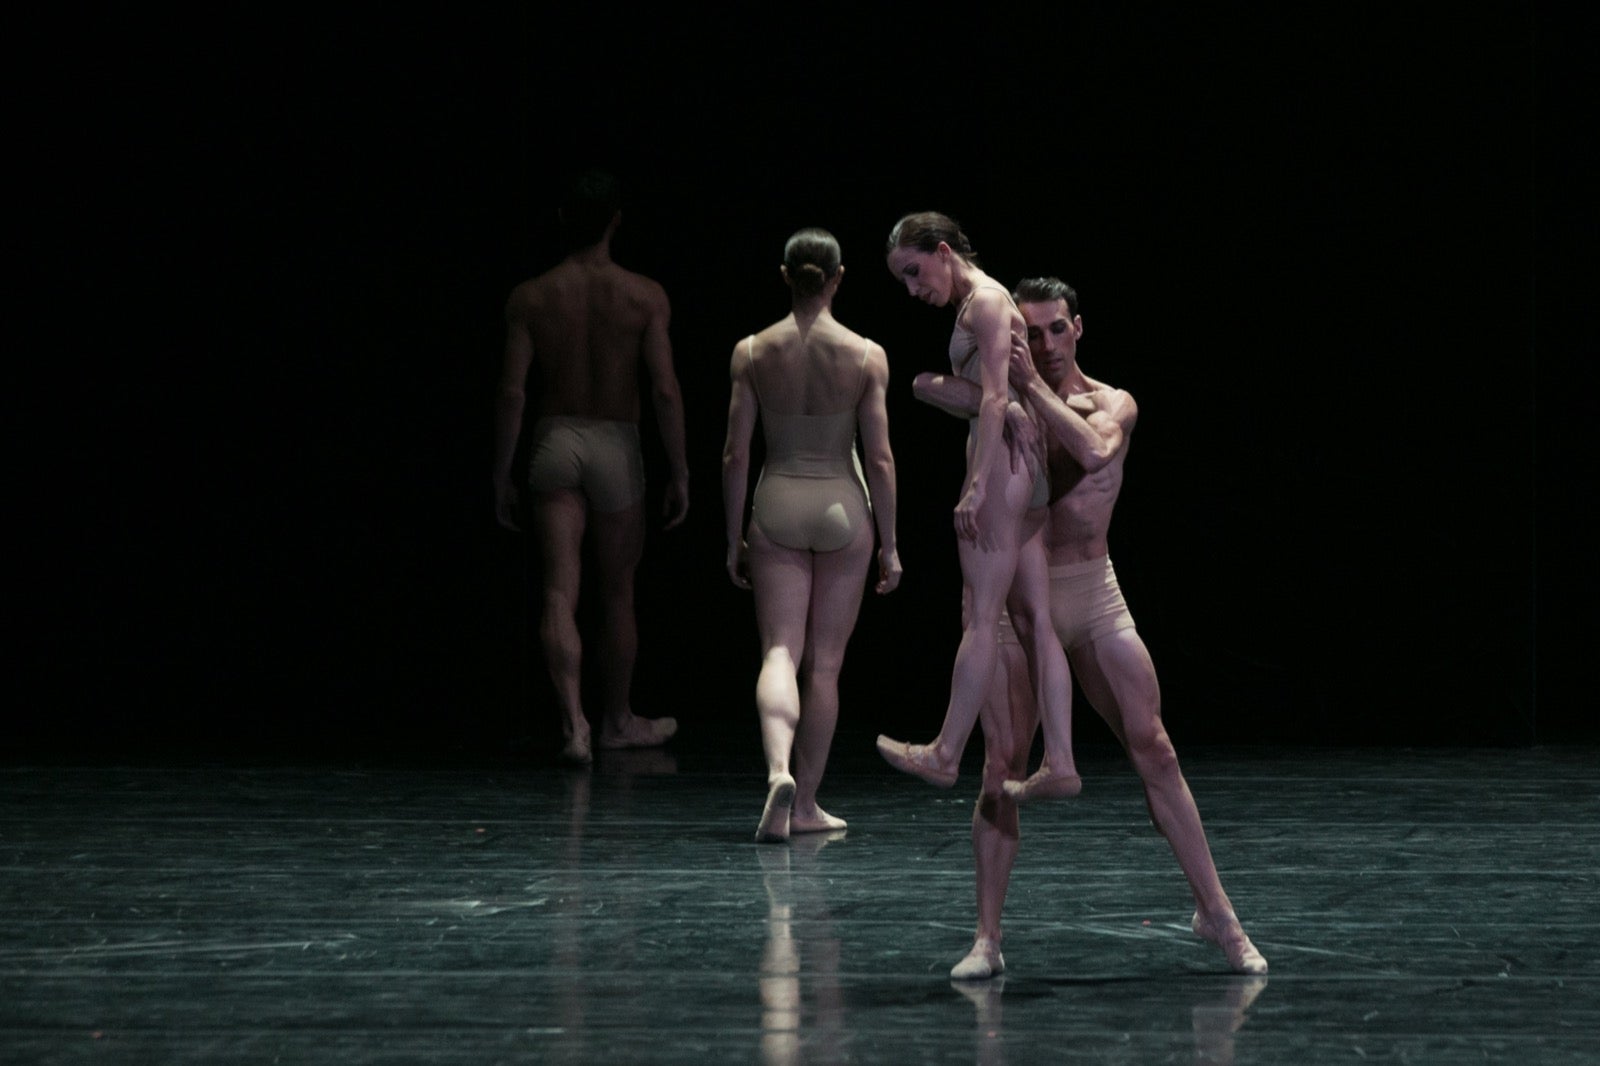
{"x":811,"y":257}
{"x":1046,"y":290}
{"x":925,"y":230}
{"x":591,"y":199}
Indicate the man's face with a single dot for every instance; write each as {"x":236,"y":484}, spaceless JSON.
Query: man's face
{"x":1053,"y":332}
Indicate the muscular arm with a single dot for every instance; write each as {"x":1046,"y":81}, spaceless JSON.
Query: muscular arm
{"x":510,"y":400}
{"x":872,"y":419}
{"x":736,"y":466}
{"x":667,"y":398}
{"x":1091,"y":441}
{"x":951,"y":394}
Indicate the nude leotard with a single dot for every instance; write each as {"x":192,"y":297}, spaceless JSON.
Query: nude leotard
{"x":964,"y":361}
{"x":811,"y":496}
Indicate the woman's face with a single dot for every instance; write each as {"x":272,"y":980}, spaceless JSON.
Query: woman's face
{"x":927,"y":275}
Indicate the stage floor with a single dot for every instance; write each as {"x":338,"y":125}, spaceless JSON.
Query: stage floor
{"x":1416,"y":906}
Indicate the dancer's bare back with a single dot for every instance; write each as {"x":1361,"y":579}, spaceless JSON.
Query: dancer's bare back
{"x":587,"y":326}
{"x":810,"y":368}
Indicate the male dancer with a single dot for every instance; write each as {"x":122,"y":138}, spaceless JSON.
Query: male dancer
{"x":578,"y":333}
{"x":1088,"y":425}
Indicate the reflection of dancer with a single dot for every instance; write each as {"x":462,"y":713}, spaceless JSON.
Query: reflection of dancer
{"x":578,"y":332}
{"x":1216,"y":1020}
{"x":814,"y":383}
{"x":798,"y":999}
{"x":998,"y":520}
{"x":1216,"y":1023}
{"x":1089,"y":425}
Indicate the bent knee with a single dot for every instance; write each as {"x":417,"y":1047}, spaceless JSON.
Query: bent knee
{"x":1151,"y":749}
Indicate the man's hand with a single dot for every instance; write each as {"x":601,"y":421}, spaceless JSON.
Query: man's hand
{"x":1021,"y":437}
{"x":507,"y":502}
{"x":1021,"y":370}
{"x":675,"y":504}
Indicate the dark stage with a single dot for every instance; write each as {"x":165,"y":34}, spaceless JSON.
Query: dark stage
{"x":278,"y":777}
{"x":1416,"y":906}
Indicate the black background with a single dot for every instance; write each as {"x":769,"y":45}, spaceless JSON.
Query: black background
{"x":1333,"y":253}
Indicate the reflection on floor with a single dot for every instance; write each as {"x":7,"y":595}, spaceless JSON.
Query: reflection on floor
{"x":1422,"y":906}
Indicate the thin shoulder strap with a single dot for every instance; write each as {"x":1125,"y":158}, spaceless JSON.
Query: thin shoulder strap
{"x":861,"y":386}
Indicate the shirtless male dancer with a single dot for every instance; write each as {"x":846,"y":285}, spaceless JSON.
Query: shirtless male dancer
{"x":1088,"y":426}
{"x":576,"y":334}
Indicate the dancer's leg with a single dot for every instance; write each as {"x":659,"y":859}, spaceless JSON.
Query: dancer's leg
{"x":780,"y":579}
{"x":837,"y":584}
{"x":1119,"y":681}
{"x":1009,"y":721}
{"x":559,"y":518}
{"x":618,"y":545}
{"x":1057,"y":775}
{"x":987,"y":572}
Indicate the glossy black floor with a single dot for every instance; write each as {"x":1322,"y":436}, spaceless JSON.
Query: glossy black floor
{"x":1417,"y":906}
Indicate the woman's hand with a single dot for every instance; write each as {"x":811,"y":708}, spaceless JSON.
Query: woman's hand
{"x":967,"y":512}
{"x":888,"y":570}
{"x":739,"y":564}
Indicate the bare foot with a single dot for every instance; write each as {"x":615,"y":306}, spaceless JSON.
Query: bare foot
{"x":1228,"y":935}
{"x":1044,"y":784}
{"x":982,"y":962}
{"x":576,"y":750}
{"x":774,"y":827}
{"x":919,"y":760}
{"x":816,"y":820}
{"x":636,"y":732}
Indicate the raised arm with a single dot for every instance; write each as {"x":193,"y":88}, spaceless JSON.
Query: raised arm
{"x":1092,"y":427}
{"x":872,"y":420}
{"x":736,"y":464}
{"x":667,"y":398}
{"x":510,"y":400}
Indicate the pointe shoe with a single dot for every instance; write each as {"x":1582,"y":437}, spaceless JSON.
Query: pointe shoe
{"x":982,"y":962}
{"x":639,"y":733}
{"x":916,"y":760}
{"x":1242,"y":955}
{"x":774,"y":827}
{"x":1044,"y":784}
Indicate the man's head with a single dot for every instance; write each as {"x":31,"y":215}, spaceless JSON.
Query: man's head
{"x":1050,"y":307}
{"x":589,"y":204}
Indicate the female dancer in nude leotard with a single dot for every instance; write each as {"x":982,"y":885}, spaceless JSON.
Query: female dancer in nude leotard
{"x":999,"y":519}
{"x":814,"y":384}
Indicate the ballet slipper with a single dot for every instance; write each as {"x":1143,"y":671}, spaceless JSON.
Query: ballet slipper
{"x":916,"y":760}
{"x":982,"y":962}
{"x":819,"y":822}
{"x":774,"y":827}
{"x":1045,"y":783}
{"x":1229,"y":936}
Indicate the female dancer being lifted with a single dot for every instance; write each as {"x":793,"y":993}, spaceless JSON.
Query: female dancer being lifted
{"x":999,"y":519}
